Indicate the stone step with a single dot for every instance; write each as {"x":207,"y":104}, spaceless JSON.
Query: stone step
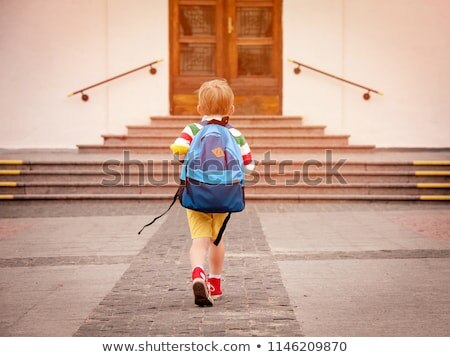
{"x":257,"y":149}
{"x":249,"y":197}
{"x":159,"y":177}
{"x":260,"y":140}
{"x":263,"y":165}
{"x":257,"y":189}
{"x":246,"y":130}
{"x":260,"y":188}
{"x":257,"y":121}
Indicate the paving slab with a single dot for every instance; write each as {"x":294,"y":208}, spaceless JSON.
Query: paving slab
{"x":355,"y":271}
{"x":370,"y":297}
{"x":72,"y":236}
{"x":357,"y":230}
{"x":52,"y":301}
{"x":55,"y":270}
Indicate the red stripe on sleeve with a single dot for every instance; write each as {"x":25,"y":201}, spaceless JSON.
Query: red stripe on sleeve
{"x":247,"y":158}
{"x":186,"y":137}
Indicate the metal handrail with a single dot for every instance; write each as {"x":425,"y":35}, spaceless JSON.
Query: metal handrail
{"x":85,"y":97}
{"x":366,"y":96}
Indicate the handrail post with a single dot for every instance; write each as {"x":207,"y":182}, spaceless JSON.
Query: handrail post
{"x":85,"y":97}
{"x":366,"y":96}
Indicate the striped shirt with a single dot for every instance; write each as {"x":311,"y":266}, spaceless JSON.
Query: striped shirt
{"x":183,"y":142}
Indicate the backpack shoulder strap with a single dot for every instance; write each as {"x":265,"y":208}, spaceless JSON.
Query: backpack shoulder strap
{"x":222,"y":229}
{"x":177,"y":194}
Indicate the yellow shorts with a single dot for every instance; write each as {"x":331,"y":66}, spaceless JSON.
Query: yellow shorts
{"x":205,"y":225}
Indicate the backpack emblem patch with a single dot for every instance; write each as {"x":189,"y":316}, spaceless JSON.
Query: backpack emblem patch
{"x":218,"y":152}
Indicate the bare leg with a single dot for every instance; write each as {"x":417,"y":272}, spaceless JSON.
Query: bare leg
{"x":198,"y":252}
{"x":216,"y":257}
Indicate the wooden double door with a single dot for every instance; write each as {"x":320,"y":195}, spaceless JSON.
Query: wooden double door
{"x":232,"y":39}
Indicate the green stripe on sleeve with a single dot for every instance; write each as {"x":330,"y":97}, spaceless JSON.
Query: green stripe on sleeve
{"x":195,"y":129}
{"x":240,"y":140}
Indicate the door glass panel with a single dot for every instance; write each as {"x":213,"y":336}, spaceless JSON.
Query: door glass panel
{"x":254,"y":21}
{"x":254,"y":60}
{"x":197,"y":59}
{"x":197,"y":21}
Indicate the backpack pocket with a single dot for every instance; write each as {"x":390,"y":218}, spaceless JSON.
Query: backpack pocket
{"x":210,"y":198}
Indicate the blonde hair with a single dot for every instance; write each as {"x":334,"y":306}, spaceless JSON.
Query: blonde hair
{"x":215,"y":97}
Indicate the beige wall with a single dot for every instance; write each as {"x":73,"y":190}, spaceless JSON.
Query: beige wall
{"x":51,"y":47}
{"x":401,"y":47}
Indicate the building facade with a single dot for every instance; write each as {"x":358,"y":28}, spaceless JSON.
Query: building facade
{"x":50,"y":48}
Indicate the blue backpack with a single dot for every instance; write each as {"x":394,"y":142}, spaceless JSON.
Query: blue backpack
{"x":212,"y":175}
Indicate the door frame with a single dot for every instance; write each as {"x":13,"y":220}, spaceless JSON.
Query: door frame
{"x":226,"y":50}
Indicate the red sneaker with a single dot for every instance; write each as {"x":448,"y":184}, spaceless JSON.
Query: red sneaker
{"x":214,"y":288}
{"x":202,"y":295}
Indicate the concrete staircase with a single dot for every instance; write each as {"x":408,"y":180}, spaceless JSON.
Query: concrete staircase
{"x":304,"y":164}
{"x":279,"y":134}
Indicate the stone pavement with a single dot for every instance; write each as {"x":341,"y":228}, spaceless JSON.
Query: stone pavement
{"x":365,"y":273}
{"x":316,"y":269}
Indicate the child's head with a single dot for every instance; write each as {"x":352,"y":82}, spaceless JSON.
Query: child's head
{"x":215,"y":97}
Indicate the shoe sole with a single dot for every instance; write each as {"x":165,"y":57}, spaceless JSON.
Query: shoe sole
{"x":201,"y":295}
{"x":216,"y":297}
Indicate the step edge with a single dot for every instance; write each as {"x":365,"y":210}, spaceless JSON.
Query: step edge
{"x":349,"y":173}
{"x":257,"y":146}
{"x":149,"y":126}
{"x":421,"y":185}
{"x":314,"y":136}
{"x":260,"y":162}
{"x":299,"y":197}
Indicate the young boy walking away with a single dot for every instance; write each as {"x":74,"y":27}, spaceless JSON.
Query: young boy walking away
{"x":215,"y":101}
